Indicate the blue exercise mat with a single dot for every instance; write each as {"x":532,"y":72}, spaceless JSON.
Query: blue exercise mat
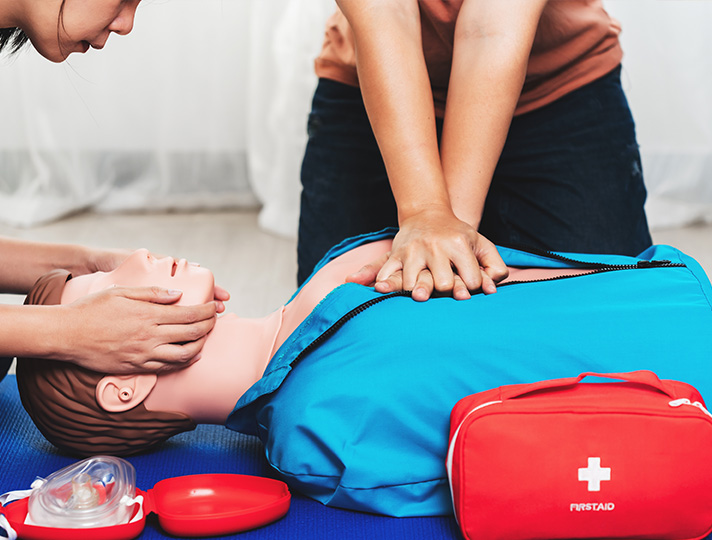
{"x":209,"y":449}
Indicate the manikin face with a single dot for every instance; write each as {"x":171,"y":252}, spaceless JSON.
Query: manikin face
{"x":141,"y":269}
{"x":61,"y":27}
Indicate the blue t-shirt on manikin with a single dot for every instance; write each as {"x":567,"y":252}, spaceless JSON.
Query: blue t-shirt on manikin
{"x":353,"y":408}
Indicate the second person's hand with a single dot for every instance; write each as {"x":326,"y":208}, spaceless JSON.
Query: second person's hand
{"x":127,"y":330}
{"x":435,"y":251}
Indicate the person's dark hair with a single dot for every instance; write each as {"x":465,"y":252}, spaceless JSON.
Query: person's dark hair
{"x":60,"y":399}
{"x":60,"y":23}
{"x":12,"y":39}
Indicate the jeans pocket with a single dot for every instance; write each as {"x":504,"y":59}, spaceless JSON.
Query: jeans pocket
{"x":314,"y":124}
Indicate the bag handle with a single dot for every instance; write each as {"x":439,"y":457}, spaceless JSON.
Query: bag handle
{"x":645,"y":377}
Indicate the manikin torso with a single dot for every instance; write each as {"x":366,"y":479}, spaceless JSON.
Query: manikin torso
{"x":237,"y":350}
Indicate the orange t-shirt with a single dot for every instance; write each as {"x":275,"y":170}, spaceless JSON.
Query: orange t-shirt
{"x":576,"y":43}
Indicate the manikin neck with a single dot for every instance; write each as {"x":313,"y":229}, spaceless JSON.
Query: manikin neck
{"x":234,"y":357}
{"x":237,"y":350}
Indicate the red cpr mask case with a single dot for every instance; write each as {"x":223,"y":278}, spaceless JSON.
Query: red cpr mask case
{"x":98,"y":498}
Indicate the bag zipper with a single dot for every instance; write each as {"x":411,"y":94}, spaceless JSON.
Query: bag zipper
{"x":685,"y":401}
{"x":451,"y":451}
{"x":451,"y":447}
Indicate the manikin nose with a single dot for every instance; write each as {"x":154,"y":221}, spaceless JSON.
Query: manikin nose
{"x":181,"y":264}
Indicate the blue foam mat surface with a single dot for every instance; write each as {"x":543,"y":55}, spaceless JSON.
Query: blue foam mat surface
{"x":209,"y":449}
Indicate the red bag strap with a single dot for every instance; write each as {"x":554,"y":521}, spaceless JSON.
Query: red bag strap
{"x":645,"y":377}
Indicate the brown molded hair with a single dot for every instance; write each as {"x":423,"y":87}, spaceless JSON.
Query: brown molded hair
{"x":60,"y":397}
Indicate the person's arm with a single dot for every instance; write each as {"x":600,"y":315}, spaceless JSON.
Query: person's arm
{"x":23,"y":262}
{"x":146,"y":334}
{"x":433,"y":246}
{"x":493,"y":40}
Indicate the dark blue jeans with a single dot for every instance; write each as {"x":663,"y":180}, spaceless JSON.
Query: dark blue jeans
{"x":4,"y":366}
{"x":569,"y":177}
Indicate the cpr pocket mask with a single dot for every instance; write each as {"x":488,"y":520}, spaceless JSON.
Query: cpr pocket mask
{"x":565,"y":459}
{"x":97,"y":498}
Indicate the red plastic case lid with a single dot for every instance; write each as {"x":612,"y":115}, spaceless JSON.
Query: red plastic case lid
{"x":188,"y":506}
{"x":214,"y":504}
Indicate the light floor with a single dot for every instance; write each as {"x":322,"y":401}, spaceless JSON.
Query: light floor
{"x":257,"y":268}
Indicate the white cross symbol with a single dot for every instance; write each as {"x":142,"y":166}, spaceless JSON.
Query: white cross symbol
{"x":594,"y":474}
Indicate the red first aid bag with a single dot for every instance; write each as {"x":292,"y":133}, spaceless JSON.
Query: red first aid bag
{"x":566,"y":459}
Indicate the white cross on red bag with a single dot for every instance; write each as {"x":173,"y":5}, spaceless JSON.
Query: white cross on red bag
{"x":594,"y":474}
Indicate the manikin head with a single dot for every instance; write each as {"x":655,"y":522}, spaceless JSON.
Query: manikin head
{"x":84,"y":412}
{"x":58,"y":28}
{"x":141,"y":269}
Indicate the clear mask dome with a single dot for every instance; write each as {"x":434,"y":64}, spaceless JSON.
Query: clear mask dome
{"x":95,"y":492}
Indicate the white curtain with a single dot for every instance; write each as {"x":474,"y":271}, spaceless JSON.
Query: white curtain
{"x":204,"y":105}
{"x":286,"y":36}
{"x":156,"y":120}
{"x":668,"y":79}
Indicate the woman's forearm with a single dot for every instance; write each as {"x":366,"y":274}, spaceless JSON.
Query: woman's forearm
{"x":493,"y":41}
{"x":23,"y":262}
{"x":433,"y":250}
{"x":30,"y":331}
{"x":396,"y":91}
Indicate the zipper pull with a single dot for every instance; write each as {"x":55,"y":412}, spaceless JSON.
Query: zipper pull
{"x":685,"y":401}
{"x":679,"y":402}
{"x":653,"y":264}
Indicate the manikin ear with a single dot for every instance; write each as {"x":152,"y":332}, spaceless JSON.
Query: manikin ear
{"x":119,"y":393}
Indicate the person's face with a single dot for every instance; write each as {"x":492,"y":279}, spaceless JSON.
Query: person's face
{"x":141,"y":269}
{"x":62,"y":27}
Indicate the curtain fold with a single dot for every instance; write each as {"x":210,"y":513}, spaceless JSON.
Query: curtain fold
{"x":285,"y":38}
{"x":667,"y":76}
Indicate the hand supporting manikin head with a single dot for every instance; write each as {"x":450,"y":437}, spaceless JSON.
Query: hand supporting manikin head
{"x":85,"y":412}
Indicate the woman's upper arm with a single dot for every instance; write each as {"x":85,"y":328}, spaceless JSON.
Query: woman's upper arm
{"x":378,"y":13}
{"x":515,"y":20}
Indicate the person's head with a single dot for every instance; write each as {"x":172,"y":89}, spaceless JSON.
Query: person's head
{"x":62,"y":399}
{"x":57,"y":28}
